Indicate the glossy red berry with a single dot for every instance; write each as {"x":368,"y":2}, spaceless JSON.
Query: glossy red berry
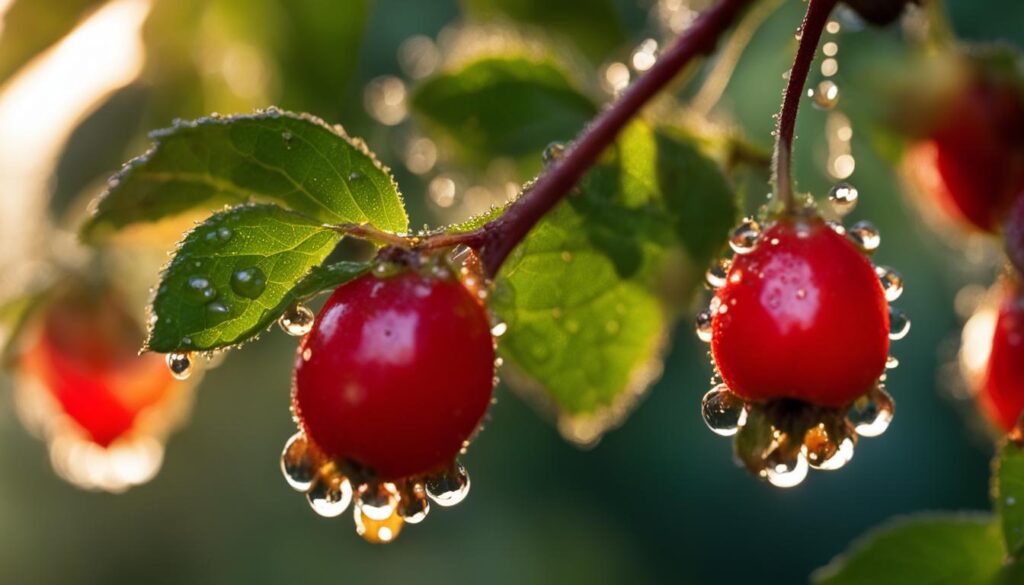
{"x":994,"y":356}
{"x":803,"y":316}
{"x":396,"y":373}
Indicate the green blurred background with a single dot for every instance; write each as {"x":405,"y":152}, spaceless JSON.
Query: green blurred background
{"x":659,"y":500}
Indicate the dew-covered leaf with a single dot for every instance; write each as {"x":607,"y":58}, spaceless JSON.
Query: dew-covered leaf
{"x":601,"y":32}
{"x":510,"y":105}
{"x":590,"y":295}
{"x":296,"y":161}
{"x":948,"y":549}
{"x":31,"y":26}
{"x":234,"y":274}
{"x":1008,"y":494}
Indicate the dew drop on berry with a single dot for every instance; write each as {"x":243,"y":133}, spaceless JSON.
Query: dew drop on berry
{"x":249,"y":282}
{"x":899,"y":324}
{"x":723,"y":411}
{"x":743,"y":239}
{"x":843,"y":198}
{"x":865,"y":236}
{"x":449,"y":487}
{"x":553,"y":153}
{"x":892,"y":282}
{"x":297,"y":321}
{"x":829,"y":446}
{"x":377,"y":531}
{"x":837,"y":227}
{"x":717,"y":273}
{"x":871,"y":414}
{"x":499,"y":328}
{"x":199,"y":289}
{"x":180,"y":365}
{"x":298,"y":464}
{"x":825,"y":96}
{"x":384,"y":269}
{"x":413,"y":505}
{"x":329,"y":496}
{"x":378,"y":501}
{"x":703,"y":326}
{"x":891,"y":363}
{"x":786,"y":468}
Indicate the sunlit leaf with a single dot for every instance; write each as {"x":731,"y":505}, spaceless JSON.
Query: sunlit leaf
{"x":1008,"y":494}
{"x":31,"y":26}
{"x":950,"y":549}
{"x":294,"y":160}
{"x":503,"y":105}
{"x":590,"y":294}
{"x":233,"y":275}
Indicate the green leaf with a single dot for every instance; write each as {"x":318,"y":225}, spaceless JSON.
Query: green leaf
{"x":947,"y":549}
{"x":596,"y":35}
{"x":234,"y":274}
{"x":503,"y":105}
{"x":294,"y":160}
{"x":589,"y":296}
{"x":31,"y":26}
{"x":1008,"y":493}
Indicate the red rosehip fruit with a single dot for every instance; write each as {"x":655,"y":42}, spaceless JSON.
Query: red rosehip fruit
{"x":993,"y":357}
{"x":970,"y":164}
{"x":396,"y":373}
{"x":85,"y":353}
{"x":802,"y":316}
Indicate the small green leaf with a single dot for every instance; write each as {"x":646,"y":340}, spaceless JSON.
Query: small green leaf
{"x":949,"y":549}
{"x":294,"y":160}
{"x":31,"y":26}
{"x":235,"y":273}
{"x":331,"y":276}
{"x":591,"y":293}
{"x":599,"y":33}
{"x":1008,"y":493}
{"x":503,"y":105}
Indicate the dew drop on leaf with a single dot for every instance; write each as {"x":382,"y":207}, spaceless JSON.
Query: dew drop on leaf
{"x":199,"y":289}
{"x":249,"y":282}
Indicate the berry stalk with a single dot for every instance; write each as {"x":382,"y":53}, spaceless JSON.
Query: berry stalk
{"x":496,"y":239}
{"x":809,"y":35}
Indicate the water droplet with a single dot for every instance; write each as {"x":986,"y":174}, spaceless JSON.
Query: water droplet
{"x":298,"y":464}
{"x":297,"y":321}
{"x":744,"y":238}
{"x":499,"y":329}
{"x":180,"y":365}
{"x":449,"y":487}
{"x":865,"y":236}
{"x":891,"y":363}
{"x":354,"y":176}
{"x":216,"y":312}
{"x":329,"y":496}
{"x":829,"y":445}
{"x":786,"y":468}
{"x":723,"y":411}
{"x":553,"y":153}
{"x":825,"y":96}
{"x":378,"y":501}
{"x":843,"y":198}
{"x":219,"y":235}
{"x":377,"y":531}
{"x":871,"y":414}
{"x":249,"y":282}
{"x":287,"y":137}
{"x":836,"y":226}
{"x":703,"y":326}
{"x":892,"y":282}
{"x":200,"y":289}
{"x":899,"y":324}
{"x":384,"y":269}
{"x":413,"y":505}
{"x":717,"y":273}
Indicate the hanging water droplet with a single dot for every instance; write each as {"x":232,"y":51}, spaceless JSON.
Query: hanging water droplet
{"x":448,"y":487}
{"x":892,"y":282}
{"x":298,"y":463}
{"x":704,"y":326}
{"x":329,"y":496}
{"x":723,"y":411}
{"x":871,"y":414}
{"x":744,"y":238}
{"x":899,"y":324}
{"x":378,"y":501}
{"x":297,"y":321}
{"x":180,"y":365}
{"x":499,"y":329}
{"x":836,"y":226}
{"x":785,"y":468}
{"x":200,"y":289}
{"x":829,"y":445}
{"x":825,"y":96}
{"x":249,"y":282}
{"x":377,"y":531}
{"x":553,"y":153}
{"x":718,"y":272}
{"x":865,"y":236}
{"x":843,"y":198}
{"x":891,"y":363}
{"x":413,"y":505}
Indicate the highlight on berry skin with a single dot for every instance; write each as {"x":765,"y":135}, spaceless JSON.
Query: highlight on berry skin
{"x":799,"y":325}
{"x":383,"y":410}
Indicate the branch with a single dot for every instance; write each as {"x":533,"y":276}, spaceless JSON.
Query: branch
{"x":810,"y":34}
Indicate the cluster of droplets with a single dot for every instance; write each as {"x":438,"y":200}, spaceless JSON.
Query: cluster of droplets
{"x":825,"y":96}
{"x":380,"y":509}
{"x":781,"y":441}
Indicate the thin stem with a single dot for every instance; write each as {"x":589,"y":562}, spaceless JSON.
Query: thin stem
{"x":496,"y":239}
{"x":810,"y":34}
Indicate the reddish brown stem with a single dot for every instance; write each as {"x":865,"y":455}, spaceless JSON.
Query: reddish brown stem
{"x":809,"y":34}
{"x":495,"y":240}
